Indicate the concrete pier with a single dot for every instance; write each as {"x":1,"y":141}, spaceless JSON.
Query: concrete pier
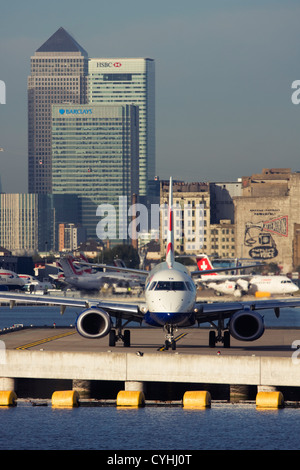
{"x":37,"y":361}
{"x":81,"y":368}
{"x":7,"y":384}
{"x":135,"y":386}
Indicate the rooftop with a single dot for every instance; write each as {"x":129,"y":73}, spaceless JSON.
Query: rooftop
{"x":61,"y":41}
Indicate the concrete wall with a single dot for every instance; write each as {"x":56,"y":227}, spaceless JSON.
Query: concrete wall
{"x":248,"y":370}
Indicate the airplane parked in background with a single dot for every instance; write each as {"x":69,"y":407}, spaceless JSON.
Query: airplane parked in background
{"x":239,"y":284}
{"x":32,"y":284}
{"x":79,"y":273}
{"x":10,"y":280}
{"x":170,"y":303}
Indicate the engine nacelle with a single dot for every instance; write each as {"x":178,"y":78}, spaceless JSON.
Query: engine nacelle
{"x":93,"y":323}
{"x":246,"y":325}
{"x":243,"y":284}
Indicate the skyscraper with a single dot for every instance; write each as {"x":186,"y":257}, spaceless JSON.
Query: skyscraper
{"x":95,"y":156}
{"x":30,"y":221}
{"x":129,"y":81}
{"x":58,"y":75}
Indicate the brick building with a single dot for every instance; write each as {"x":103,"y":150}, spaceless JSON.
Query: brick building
{"x":267,"y":218}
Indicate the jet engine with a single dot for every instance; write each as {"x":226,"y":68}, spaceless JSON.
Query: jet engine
{"x":246,"y":325}
{"x":93,"y":323}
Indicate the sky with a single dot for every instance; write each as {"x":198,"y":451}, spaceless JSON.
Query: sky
{"x":224,"y":71}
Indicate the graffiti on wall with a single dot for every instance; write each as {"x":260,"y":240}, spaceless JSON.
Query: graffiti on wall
{"x":260,"y":236}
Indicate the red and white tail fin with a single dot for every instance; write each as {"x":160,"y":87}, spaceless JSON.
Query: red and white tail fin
{"x":83,"y":257}
{"x":204,"y":264}
{"x":85,"y":269}
{"x":69,"y":267}
{"x":170,"y":234}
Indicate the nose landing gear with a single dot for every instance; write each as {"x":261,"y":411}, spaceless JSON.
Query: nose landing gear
{"x":170,"y":341}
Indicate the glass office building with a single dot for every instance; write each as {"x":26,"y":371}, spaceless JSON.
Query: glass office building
{"x":95,"y":155}
{"x":58,"y":74}
{"x":129,"y":81}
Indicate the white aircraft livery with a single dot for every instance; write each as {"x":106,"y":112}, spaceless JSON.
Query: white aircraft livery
{"x":10,"y":280}
{"x":170,"y":303}
{"x":79,"y":274}
{"x":238,"y":285}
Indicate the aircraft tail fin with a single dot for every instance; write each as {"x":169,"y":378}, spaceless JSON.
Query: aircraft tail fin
{"x":69,"y":268}
{"x":170,"y":257}
{"x":86,"y":268}
{"x":204,"y":264}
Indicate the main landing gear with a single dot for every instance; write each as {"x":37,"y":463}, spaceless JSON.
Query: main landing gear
{"x":119,"y":335}
{"x":214,"y":338}
{"x":170,"y":341}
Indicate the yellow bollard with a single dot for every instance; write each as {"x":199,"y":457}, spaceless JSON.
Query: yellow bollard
{"x":7,"y":398}
{"x":130,"y":398}
{"x":64,"y":399}
{"x":262,"y":294}
{"x":197,"y":399}
{"x":269,"y":400}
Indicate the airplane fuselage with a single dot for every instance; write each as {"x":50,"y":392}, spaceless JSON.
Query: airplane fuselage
{"x":170,"y":296}
{"x":272,"y":284}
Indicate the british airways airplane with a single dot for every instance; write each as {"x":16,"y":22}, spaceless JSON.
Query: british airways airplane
{"x":170,"y":303}
{"x":78,"y":274}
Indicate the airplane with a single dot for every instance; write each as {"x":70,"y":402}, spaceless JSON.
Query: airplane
{"x":170,"y":303}
{"x":33,"y":284}
{"x":79,"y":274}
{"x":10,"y":280}
{"x":237,"y":285}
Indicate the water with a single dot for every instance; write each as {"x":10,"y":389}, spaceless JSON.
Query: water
{"x":224,"y":426}
{"x":36,"y":316}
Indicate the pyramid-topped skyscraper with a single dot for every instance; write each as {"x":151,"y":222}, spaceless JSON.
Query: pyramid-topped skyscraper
{"x":59,"y":71}
{"x":61,"y":41}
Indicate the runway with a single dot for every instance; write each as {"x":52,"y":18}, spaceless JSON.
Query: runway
{"x":275,"y":342}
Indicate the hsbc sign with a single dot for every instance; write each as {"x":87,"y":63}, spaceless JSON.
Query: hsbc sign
{"x":109,"y":64}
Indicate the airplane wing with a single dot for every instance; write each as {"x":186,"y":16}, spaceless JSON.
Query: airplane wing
{"x":83,"y":261}
{"x":108,"y":268}
{"x":216,"y":270}
{"x":206,"y":312}
{"x":122,"y":309}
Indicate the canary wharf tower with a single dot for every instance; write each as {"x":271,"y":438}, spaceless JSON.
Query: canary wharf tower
{"x":58,"y":75}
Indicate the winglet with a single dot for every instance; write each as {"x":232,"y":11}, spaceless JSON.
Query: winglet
{"x":170,"y":236}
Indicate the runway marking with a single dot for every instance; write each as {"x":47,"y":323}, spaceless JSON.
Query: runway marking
{"x":45,"y":340}
{"x":175,"y":339}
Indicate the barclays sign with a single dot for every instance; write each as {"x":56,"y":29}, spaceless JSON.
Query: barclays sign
{"x":75,"y":111}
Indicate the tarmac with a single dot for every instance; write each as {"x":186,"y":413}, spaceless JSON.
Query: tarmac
{"x":60,"y":354}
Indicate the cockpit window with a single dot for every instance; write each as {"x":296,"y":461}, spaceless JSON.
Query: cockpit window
{"x":152,"y":285}
{"x":170,"y":285}
{"x":189,"y":286}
